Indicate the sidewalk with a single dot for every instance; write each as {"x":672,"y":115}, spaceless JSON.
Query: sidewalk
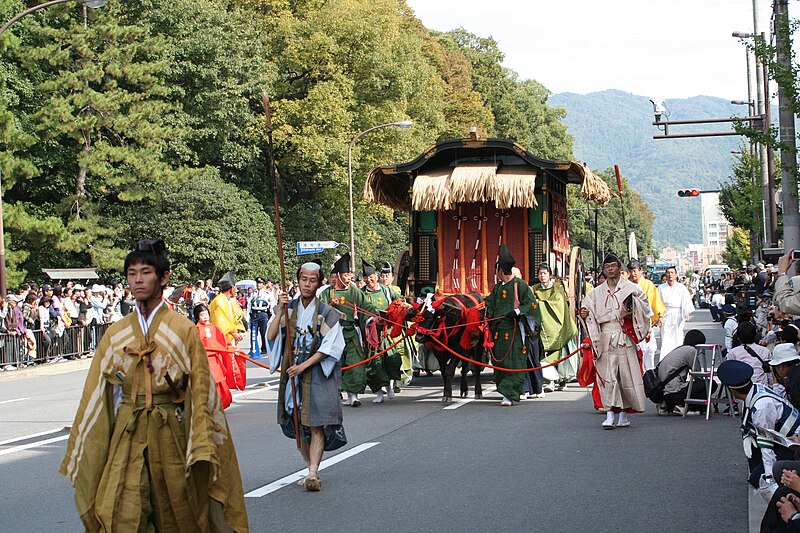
{"x":755,"y":509}
{"x":75,"y":365}
{"x":46,"y":369}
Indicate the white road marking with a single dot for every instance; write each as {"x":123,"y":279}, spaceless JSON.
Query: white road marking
{"x":239,"y":395}
{"x":297,"y":476}
{"x":15,"y":400}
{"x":32,"y":436}
{"x":467,"y":400}
{"x":33,"y":445}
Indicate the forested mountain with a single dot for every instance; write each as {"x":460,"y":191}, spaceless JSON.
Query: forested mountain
{"x":614,"y":127}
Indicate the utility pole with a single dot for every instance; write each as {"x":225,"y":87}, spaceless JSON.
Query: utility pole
{"x":752,"y":109}
{"x":791,"y":210}
{"x":762,"y":149}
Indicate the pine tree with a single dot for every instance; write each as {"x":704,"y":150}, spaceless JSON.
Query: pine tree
{"x":105,"y":122}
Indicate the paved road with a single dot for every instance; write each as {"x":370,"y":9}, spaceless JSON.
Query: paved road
{"x":412,"y":465}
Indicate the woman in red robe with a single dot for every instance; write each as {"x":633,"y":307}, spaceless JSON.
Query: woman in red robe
{"x":227,"y":369}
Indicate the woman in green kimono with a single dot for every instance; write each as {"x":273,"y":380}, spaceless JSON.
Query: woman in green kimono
{"x":556,"y":329}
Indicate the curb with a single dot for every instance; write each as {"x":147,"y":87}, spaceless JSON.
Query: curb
{"x":47,"y":369}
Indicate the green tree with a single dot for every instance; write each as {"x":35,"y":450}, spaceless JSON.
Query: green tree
{"x":740,"y":198}
{"x":100,"y":110}
{"x":219,"y":65}
{"x":737,"y":249}
{"x":346,"y":66}
{"x":13,"y":88}
{"x":209,"y":226}
{"x":611,"y":233}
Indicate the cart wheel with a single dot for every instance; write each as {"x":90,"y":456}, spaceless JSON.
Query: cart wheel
{"x":575,"y":291}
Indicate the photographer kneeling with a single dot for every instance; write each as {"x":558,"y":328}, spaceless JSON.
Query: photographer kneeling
{"x":673,"y":371}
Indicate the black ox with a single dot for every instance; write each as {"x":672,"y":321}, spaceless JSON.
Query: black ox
{"x":457,"y":322}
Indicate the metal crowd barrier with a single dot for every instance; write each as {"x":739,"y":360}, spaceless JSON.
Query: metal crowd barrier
{"x":75,"y":341}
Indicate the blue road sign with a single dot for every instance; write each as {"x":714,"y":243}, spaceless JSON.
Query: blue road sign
{"x":314,"y":247}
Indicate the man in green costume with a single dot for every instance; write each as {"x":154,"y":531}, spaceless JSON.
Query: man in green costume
{"x":357,"y":309}
{"x":557,"y":327}
{"x":385,"y":370}
{"x":510,"y":299}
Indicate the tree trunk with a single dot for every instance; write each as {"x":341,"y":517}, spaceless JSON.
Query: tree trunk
{"x":80,"y":179}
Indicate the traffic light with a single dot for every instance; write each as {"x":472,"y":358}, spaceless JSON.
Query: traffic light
{"x":684,"y":193}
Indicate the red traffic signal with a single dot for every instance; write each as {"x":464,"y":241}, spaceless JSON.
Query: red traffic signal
{"x":683,"y":193}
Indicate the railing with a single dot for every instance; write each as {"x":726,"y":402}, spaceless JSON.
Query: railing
{"x":75,"y":341}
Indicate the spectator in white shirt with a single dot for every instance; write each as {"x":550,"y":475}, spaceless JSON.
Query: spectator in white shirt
{"x":717,"y":302}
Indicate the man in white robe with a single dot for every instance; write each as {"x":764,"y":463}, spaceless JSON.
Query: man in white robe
{"x":679,"y":306}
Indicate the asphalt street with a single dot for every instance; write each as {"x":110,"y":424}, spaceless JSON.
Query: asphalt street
{"x":414,"y":464}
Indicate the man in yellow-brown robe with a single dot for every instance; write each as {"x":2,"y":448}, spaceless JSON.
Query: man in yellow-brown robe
{"x":150,"y":448}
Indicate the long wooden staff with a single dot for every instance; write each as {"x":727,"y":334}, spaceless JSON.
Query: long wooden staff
{"x":287,"y":350}
{"x":621,"y":202}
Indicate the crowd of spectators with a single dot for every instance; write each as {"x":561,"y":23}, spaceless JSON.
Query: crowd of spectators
{"x":759,"y":309}
{"x":51,"y":323}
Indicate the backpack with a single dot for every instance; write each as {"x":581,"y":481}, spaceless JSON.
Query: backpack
{"x":653,"y":388}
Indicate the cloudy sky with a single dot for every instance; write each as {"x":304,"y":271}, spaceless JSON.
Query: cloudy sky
{"x":669,"y":48}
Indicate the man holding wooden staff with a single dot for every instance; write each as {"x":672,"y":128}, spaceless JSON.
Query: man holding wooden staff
{"x":315,"y":336}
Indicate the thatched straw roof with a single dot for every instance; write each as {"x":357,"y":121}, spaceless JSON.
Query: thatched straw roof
{"x":431,"y":192}
{"x":469,"y":182}
{"x":475,"y":170}
{"x":475,"y":182}
{"x":514,"y":186}
{"x":593,"y":187}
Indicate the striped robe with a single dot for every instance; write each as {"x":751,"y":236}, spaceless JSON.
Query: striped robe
{"x":138,"y":460}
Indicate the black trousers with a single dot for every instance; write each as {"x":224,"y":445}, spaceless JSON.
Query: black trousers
{"x":698,"y":391}
{"x":756,"y":464}
{"x":534,"y":382}
{"x":772,"y":521}
{"x":260,"y":320}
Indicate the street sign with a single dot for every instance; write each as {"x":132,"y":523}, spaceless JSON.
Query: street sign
{"x":649,"y":260}
{"x":314,"y":247}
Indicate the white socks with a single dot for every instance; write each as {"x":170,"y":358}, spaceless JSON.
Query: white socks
{"x":378,"y":397}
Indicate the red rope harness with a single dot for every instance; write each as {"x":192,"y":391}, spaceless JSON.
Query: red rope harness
{"x":468,"y":360}
{"x":368,"y":359}
{"x":348,"y":367}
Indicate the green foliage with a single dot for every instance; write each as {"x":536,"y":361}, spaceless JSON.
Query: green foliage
{"x":210,"y":226}
{"x":612,"y":234}
{"x":740,"y":199}
{"x":737,"y":248}
{"x":740,"y":195}
{"x":148,"y":122}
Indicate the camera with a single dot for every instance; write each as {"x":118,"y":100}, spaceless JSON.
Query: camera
{"x":795,"y":255}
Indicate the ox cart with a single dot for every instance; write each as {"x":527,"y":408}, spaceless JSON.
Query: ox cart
{"x":466,"y":197}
